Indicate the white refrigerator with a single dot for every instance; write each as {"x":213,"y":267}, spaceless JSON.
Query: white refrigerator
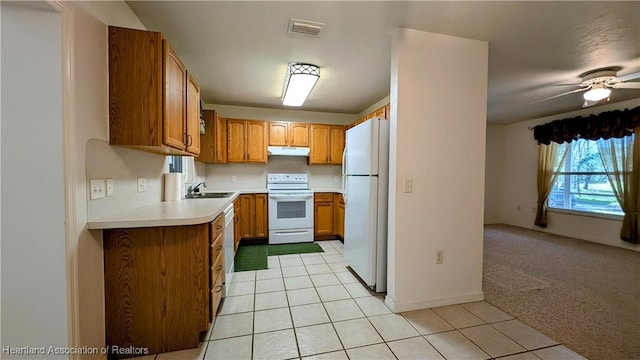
{"x":365,"y":169}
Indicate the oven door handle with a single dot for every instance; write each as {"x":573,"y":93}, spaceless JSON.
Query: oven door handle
{"x":290,"y":197}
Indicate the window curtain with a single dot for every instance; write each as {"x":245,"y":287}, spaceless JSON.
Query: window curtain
{"x":549,"y":164}
{"x":621,"y":159}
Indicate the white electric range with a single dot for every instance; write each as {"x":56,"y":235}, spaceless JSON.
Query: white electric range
{"x":290,"y":208}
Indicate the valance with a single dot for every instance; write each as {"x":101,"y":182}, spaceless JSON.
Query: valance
{"x":606,"y":125}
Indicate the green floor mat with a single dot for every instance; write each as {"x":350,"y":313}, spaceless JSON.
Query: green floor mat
{"x":254,"y":257}
{"x":250,"y":257}
{"x":286,"y":249}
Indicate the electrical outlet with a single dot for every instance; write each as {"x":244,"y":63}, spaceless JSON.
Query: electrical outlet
{"x":533,"y":209}
{"x":233,"y":178}
{"x":109,"y":187}
{"x":97,"y":189}
{"x":141,"y":185}
{"x":336,"y":179}
{"x":408,"y":185}
{"x":439,"y":256}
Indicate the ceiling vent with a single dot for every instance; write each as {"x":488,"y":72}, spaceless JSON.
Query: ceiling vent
{"x":305,"y":27}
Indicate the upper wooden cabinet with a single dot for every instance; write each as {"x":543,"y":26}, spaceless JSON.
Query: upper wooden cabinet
{"x":149,"y":94}
{"x":282,"y":133}
{"x":193,"y":115}
{"x":383,"y":112}
{"x":327,"y":144}
{"x":213,"y":143}
{"x":247,"y":141}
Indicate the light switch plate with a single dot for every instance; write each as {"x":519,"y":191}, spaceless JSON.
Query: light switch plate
{"x":141,"y":185}
{"x":97,"y":189}
{"x":109,"y":187}
{"x":408,"y":185}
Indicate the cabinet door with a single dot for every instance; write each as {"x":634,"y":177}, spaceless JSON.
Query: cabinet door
{"x":193,"y":115}
{"x":323,"y":219}
{"x":299,"y":134}
{"x":174,"y":99}
{"x":262,"y":219}
{"x":256,"y":141}
{"x":338,"y":217}
{"x":236,"y":141}
{"x":220,"y":139}
{"x":207,"y":140}
{"x":319,"y":148}
{"x":336,"y":144}
{"x":278,"y":133}
{"x":381,"y":113}
{"x":247,"y":216}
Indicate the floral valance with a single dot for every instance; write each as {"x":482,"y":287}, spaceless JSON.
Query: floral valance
{"x":606,"y":125}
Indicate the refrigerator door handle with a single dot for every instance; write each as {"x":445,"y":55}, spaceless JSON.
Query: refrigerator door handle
{"x":344,"y":168}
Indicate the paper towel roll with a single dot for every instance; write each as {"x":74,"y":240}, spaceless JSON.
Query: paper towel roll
{"x":173,"y":184}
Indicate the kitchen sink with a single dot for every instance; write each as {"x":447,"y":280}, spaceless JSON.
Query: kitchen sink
{"x":210,"y":195}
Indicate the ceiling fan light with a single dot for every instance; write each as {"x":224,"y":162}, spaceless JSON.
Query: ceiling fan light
{"x":301,"y":78}
{"x":597,"y":93}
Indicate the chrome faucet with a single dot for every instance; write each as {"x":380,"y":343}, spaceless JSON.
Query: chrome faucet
{"x":192,"y":190}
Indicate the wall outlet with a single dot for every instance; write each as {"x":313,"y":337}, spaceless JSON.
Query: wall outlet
{"x":336,"y":179}
{"x":408,"y":185}
{"x":97,"y":189}
{"x":233,"y":178}
{"x":142,"y":187}
{"x":109,"y":187}
{"x":439,"y":256}
{"x":533,"y":209}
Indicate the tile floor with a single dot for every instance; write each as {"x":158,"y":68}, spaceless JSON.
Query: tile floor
{"x":309,"y":306}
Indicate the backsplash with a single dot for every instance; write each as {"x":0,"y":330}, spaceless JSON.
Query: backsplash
{"x":220,"y":176}
{"x":124,"y":166}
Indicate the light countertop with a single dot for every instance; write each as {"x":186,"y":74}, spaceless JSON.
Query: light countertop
{"x":166,"y":213}
{"x":176,"y":213}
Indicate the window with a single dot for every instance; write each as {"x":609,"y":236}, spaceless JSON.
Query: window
{"x":175,"y":164}
{"x":582,"y":182}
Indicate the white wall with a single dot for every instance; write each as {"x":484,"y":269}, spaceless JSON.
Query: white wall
{"x":87,"y":114}
{"x":124,"y":166}
{"x":440,"y":145}
{"x":494,"y":174}
{"x":34,"y":278}
{"x":254,"y":177}
{"x":255,"y":113}
{"x":520,"y":164}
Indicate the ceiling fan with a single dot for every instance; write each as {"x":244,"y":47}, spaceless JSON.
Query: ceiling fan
{"x":597,"y":85}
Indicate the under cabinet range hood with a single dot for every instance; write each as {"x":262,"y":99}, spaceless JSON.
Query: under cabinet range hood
{"x":288,"y":151}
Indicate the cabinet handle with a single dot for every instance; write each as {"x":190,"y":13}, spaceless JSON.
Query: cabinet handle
{"x":218,"y":288}
{"x":219,"y":247}
{"x":248,"y":157}
{"x":218,"y":227}
{"x":219,"y":268}
{"x":189,"y":140}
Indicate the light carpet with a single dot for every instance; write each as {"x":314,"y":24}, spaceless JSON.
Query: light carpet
{"x":582,"y":294}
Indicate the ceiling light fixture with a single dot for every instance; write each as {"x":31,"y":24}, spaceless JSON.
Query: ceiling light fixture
{"x":597,"y":93}
{"x":301,"y":78}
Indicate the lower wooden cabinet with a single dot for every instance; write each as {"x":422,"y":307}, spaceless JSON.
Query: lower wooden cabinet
{"x":163,"y":285}
{"x":254,"y":219}
{"x":339,"y":206}
{"x":323,"y":214}
{"x":328,"y":221}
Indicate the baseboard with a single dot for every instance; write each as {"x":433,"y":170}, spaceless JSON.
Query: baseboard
{"x":397,"y":307}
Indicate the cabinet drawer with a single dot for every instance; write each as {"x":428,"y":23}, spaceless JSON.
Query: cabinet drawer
{"x":323,"y":196}
{"x":216,"y":249}
{"x":216,"y":270}
{"x":217,"y":226}
{"x":216,"y":294}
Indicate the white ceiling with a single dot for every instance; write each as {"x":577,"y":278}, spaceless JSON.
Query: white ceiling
{"x":239,"y":50}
